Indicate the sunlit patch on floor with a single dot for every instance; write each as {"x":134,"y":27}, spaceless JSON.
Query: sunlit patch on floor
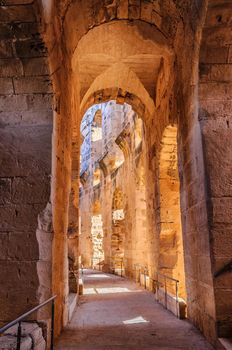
{"x":135,"y":320}
{"x":98,"y":275}
{"x":89,"y":291}
{"x":111,"y":290}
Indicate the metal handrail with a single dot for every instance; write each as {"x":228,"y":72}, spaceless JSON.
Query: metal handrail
{"x":164,"y":284}
{"x":113,"y":269}
{"x":142,"y":270}
{"x":170,"y":278}
{"x":99,"y":263}
{"x":23,"y":316}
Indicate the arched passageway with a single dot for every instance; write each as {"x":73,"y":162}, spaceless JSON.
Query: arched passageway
{"x":170,"y":62}
{"x":121,"y":200}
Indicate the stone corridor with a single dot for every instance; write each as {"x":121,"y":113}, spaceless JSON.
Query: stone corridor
{"x":116,"y":151}
{"x":115,"y":313}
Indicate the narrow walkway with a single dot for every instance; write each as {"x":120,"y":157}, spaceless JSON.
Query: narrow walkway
{"x":115,"y":313}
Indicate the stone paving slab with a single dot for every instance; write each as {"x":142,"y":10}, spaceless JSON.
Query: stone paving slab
{"x":114,"y":313}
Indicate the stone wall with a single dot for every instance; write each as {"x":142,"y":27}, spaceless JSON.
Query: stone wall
{"x":215,"y":119}
{"x":25,"y":162}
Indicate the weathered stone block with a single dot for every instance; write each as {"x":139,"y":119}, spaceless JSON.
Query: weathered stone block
{"x":19,"y":278}
{"x":230,"y":55}
{"x":134,"y":9}
{"x":168,"y":260}
{"x":26,"y":118}
{"x":5,"y":49}
{"x":222,"y":241}
{"x":20,"y":30}
{"x":45,"y":245}
{"x":224,"y":304}
{"x":122,"y":11}
{"x":222,"y":210}
{"x":24,"y":13}
{"x":32,"y":85}
{"x":44,"y":271}
{"x":35,"y":66}
{"x":39,"y":102}
{"x":208,"y":91}
{"x":195,"y":217}
{"x":32,"y":159}
{"x":4,"y":237}
{"x":213,"y":55}
{"x":10,"y":342}
{"x":30,"y":48}
{"x":31,"y":330}
{"x":214,"y":109}
{"x":223,"y":281}
{"x":45,"y":219}
{"x":10,"y":67}
{"x":13,"y":103}
{"x":204,"y":271}
{"x":5,"y":190}
{"x":146,"y":11}
{"x":17,"y":2}
{"x":221,"y":73}
{"x":19,"y":217}
{"x":203,"y":241}
{"x":22,"y":246}
{"x":28,"y":190}
{"x":218,"y":16}
{"x":218,"y":36}
{"x":6,"y":86}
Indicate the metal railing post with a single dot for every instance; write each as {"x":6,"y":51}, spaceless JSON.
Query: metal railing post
{"x":121,"y":268}
{"x":158,"y":288}
{"x":19,"y":336}
{"x":177,"y":300}
{"x":145,"y":277}
{"x":165,"y":290}
{"x":52,"y":324}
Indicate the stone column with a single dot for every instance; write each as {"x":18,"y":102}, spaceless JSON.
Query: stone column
{"x":215,"y":115}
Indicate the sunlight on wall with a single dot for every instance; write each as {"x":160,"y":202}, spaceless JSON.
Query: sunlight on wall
{"x":118,"y":214}
{"x":97,"y":239}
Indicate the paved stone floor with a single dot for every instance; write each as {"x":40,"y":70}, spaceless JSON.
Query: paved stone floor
{"x":115,"y":313}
